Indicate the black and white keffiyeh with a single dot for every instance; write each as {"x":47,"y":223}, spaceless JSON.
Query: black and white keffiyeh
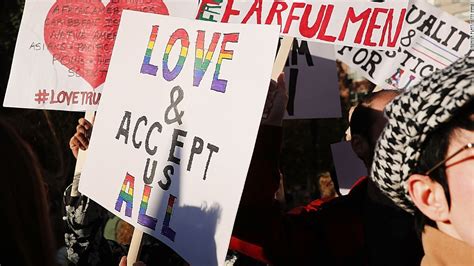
{"x":411,"y":116}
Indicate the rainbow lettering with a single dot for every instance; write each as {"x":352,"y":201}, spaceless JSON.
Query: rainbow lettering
{"x":221,"y":84}
{"x":148,"y":68}
{"x":126,"y":196}
{"x":394,"y":80}
{"x":166,"y":229}
{"x":201,"y":63}
{"x":184,"y":37}
{"x":144,"y":219}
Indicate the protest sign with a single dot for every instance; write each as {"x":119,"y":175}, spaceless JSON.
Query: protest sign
{"x":349,"y":167}
{"x":63,"y":52}
{"x":176,"y":127}
{"x":312,"y":82}
{"x":354,"y":23}
{"x":434,"y":40}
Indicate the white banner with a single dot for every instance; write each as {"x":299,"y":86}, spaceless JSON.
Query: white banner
{"x":176,"y":127}
{"x":434,"y":40}
{"x":63,"y":51}
{"x":357,"y":23}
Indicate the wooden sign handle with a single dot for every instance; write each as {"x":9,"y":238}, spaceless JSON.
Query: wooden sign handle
{"x":282,"y":56}
{"x":135,"y":247}
{"x":81,"y":158}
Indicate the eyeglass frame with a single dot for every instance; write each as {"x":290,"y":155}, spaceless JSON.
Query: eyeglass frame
{"x":463,"y":148}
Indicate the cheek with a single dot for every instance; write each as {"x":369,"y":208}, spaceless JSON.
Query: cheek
{"x":461,"y":186}
{"x":461,"y":183}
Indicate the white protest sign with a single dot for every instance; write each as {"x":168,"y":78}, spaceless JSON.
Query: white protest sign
{"x":176,"y":127}
{"x":434,"y":40}
{"x":312,"y":82}
{"x":356,"y":23}
{"x":63,"y":52}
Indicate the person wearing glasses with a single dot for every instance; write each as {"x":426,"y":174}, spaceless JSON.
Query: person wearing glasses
{"x":424,"y":162}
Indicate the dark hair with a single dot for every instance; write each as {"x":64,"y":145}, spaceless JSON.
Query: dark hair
{"x":434,"y":150}
{"x":363,"y":116}
{"x":24,"y":216}
{"x":360,"y":121}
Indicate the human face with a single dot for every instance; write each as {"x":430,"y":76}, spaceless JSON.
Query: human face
{"x":326,"y":187}
{"x":460,"y":174}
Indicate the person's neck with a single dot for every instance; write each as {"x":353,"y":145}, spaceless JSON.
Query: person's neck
{"x":443,"y":249}
{"x":448,"y":229}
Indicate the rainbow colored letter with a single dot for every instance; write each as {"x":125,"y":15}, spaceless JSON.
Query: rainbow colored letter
{"x":166,"y":229}
{"x":144,"y":219}
{"x":220,"y":84}
{"x":181,"y":34}
{"x":126,"y":196}
{"x":148,"y":68}
{"x":201,"y":63}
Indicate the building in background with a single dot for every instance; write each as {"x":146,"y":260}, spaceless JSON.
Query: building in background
{"x":457,"y":8}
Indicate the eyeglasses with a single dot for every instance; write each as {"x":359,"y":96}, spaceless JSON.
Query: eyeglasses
{"x":465,"y":147}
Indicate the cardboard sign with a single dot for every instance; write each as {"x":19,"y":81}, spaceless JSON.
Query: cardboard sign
{"x":349,"y":167}
{"x":176,"y":127}
{"x":312,"y":82}
{"x":434,"y":40}
{"x":354,"y":23}
{"x":63,"y":52}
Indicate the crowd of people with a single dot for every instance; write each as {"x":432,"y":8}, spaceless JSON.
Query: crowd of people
{"x":415,"y":206}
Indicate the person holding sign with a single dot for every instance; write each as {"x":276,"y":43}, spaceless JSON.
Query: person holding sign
{"x":87,"y":230}
{"x":80,"y":140}
{"x":85,"y":223}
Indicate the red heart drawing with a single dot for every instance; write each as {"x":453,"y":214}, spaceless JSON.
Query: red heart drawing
{"x":81,"y":34}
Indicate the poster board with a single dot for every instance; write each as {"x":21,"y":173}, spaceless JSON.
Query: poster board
{"x":181,"y":129}
{"x":63,"y":52}
{"x":355,"y":23}
{"x":349,"y":167}
{"x":434,"y":39}
{"x":312,"y":81}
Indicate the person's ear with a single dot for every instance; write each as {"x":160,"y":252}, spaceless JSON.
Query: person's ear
{"x":429,"y":197}
{"x":360,"y":146}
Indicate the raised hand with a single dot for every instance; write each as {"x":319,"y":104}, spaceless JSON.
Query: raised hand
{"x":81,"y":138}
{"x":275,"y":105}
